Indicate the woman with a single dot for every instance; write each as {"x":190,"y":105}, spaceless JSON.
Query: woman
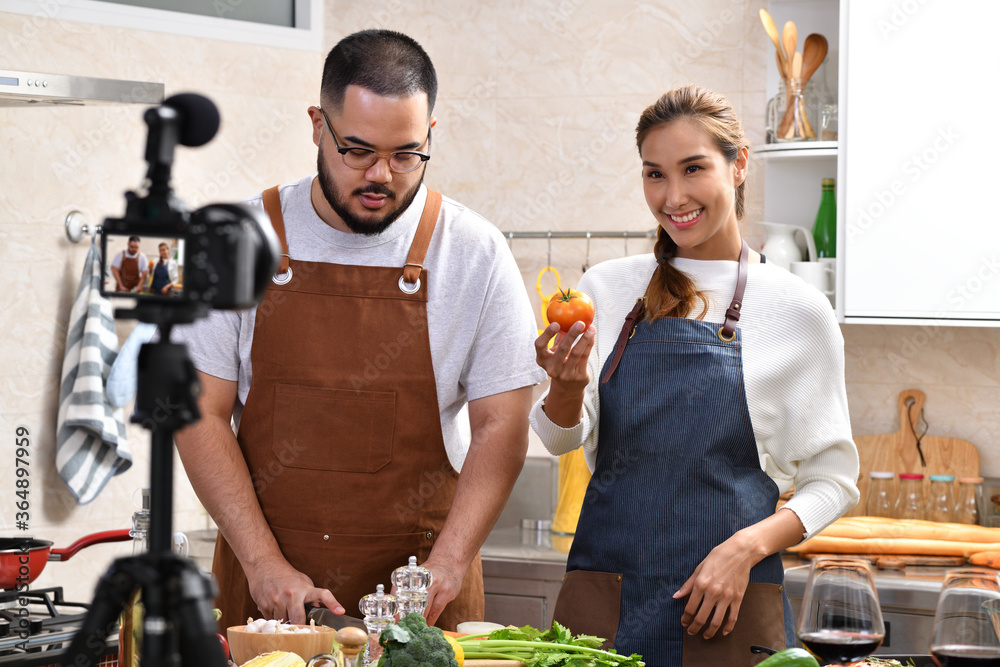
{"x":163,"y":273}
{"x":709,"y":383}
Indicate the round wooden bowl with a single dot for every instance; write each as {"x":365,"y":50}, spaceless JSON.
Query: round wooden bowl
{"x":245,"y":645}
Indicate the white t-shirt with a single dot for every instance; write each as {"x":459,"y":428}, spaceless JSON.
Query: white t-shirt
{"x":143,"y":262}
{"x":480,"y":321}
{"x":793,"y":371}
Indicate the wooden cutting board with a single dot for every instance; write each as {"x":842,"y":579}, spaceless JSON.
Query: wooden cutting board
{"x":493,"y":663}
{"x":889,"y":562}
{"x":897,"y":452}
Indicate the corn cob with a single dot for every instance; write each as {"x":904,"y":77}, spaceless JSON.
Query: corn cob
{"x":276,"y":659}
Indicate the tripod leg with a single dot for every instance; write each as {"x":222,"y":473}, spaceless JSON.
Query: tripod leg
{"x":113,"y":592}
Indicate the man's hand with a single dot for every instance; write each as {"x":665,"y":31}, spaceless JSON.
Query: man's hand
{"x":282,"y":592}
{"x":446,"y":586}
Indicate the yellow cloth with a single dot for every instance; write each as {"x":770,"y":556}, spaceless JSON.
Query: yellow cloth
{"x":574,"y":475}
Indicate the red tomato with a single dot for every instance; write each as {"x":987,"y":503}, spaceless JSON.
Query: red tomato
{"x":570,"y":306}
{"x":225,"y":645}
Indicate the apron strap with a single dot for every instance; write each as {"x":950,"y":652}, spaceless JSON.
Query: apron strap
{"x":627,"y":329}
{"x":422,"y":239}
{"x":728,"y":331}
{"x":272,"y":205}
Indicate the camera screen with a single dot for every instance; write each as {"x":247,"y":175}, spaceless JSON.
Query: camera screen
{"x":146,"y":267}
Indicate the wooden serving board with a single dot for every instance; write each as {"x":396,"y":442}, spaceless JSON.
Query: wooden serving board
{"x":897,"y":452}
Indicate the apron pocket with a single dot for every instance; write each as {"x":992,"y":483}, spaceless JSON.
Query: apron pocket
{"x":351,"y":566}
{"x":339,"y":430}
{"x":590,"y":603}
{"x":761,"y":621}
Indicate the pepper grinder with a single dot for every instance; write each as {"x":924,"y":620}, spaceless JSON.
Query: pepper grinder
{"x":411,"y":582}
{"x":379,"y":610}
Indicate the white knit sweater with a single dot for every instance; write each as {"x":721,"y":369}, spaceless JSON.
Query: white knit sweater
{"x":793,"y":369}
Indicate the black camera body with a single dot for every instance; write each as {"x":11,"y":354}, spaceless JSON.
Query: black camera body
{"x":222,"y":252}
{"x":219,"y":256}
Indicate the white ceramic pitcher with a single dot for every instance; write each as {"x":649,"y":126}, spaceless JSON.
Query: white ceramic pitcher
{"x":780,"y":247}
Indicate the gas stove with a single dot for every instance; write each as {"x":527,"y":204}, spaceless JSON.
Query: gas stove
{"x":40,"y":637}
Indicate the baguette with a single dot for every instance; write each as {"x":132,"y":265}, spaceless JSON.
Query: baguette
{"x":901,"y":546}
{"x":861,"y":527}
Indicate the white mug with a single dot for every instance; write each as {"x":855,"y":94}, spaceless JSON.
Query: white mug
{"x":831,"y":263}
{"x":818,"y":274}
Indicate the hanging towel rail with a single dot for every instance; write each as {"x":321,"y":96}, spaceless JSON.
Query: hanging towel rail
{"x":651,"y":234}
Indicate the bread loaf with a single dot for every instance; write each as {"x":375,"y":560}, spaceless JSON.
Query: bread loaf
{"x":872,"y":535}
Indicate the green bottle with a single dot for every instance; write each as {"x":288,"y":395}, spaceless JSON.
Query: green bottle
{"x":825,"y":229}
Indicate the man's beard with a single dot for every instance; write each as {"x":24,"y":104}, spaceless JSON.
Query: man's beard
{"x":368,"y":227}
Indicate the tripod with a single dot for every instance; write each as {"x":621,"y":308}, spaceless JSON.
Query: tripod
{"x":178,"y":625}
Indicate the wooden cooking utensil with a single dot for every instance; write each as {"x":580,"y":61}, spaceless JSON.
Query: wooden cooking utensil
{"x":772,"y":32}
{"x":814,"y":51}
{"x":789,"y":39}
{"x":897,"y":452}
{"x":791,"y":123}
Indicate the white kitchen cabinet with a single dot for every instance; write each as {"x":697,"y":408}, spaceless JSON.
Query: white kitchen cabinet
{"x":917,"y":243}
{"x":918,"y":227}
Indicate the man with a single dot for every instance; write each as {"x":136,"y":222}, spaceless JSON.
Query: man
{"x":392,"y":310}
{"x":165,"y":273}
{"x":130,"y":267}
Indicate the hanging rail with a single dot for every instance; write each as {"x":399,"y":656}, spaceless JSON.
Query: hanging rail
{"x":651,"y":234}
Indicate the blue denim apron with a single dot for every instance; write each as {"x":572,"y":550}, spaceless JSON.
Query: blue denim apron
{"x":677,"y":474}
{"x":161,"y":278}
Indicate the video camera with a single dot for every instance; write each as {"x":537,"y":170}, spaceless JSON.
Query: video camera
{"x":222,"y":255}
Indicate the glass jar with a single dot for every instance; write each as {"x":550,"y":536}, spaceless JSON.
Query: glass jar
{"x":809,"y":110}
{"x":880,"y":498}
{"x":970,"y":500}
{"x":910,"y":501}
{"x":941,"y":502}
{"x":828,"y":122}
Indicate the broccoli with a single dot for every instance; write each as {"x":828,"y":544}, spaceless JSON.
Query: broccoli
{"x":411,"y":643}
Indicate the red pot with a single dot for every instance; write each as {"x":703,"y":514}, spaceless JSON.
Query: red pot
{"x":23,"y":559}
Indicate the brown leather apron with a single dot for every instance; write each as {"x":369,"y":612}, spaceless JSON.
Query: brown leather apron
{"x":129,"y":271}
{"x":341,"y":430}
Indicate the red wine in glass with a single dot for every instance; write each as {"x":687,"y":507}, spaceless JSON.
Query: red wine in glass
{"x":957,"y":655}
{"x":840,"y":647}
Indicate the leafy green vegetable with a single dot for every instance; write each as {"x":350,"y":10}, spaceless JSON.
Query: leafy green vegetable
{"x":555,"y":647}
{"x":410,"y":643}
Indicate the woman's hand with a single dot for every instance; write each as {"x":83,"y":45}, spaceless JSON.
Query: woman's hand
{"x":566,"y":365}
{"x":566,"y":362}
{"x":717,"y":586}
{"x":720,"y":581}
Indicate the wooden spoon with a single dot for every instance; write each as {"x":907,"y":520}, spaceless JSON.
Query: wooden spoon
{"x":772,"y":32}
{"x":814,"y":52}
{"x":789,"y":38}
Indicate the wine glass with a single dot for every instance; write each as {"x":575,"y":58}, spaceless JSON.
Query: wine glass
{"x":841,"y":620}
{"x":967,"y":619}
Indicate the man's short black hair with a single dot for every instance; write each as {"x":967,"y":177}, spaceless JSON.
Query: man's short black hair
{"x":133,"y":238}
{"x":386,"y":62}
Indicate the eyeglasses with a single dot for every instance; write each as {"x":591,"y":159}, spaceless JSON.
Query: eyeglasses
{"x":400,"y":162}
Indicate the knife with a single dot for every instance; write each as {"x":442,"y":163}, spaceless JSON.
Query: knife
{"x":324,"y":616}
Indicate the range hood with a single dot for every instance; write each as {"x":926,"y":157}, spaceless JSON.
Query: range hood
{"x":21,"y":89}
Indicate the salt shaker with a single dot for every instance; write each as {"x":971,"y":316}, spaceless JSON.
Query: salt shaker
{"x":411,"y":582}
{"x":379,"y":610}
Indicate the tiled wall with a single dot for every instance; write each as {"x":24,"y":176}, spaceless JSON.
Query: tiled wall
{"x":536,"y":114}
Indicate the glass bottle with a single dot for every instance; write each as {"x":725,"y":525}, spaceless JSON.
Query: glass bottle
{"x":773,"y":114}
{"x":130,"y":622}
{"x":970,"y":498}
{"x":941,"y":502}
{"x":910,"y":502}
{"x":880,"y":498}
{"x":825,"y":227}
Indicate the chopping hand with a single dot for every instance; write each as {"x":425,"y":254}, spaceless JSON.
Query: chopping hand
{"x":281,"y":592}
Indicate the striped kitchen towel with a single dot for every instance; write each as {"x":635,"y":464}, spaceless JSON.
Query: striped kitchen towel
{"x":90,"y":440}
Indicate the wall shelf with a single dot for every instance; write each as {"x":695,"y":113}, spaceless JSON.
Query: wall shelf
{"x":797,"y":150}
